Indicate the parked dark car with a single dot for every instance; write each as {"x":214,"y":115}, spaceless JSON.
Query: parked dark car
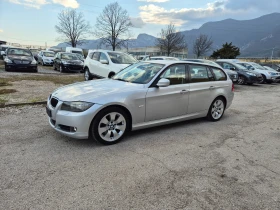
{"x":245,"y":76}
{"x":272,"y":65}
{"x":19,"y":59}
{"x":67,"y":62}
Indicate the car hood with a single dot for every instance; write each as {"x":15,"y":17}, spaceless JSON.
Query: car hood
{"x":48,"y":57}
{"x":92,"y":90}
{"x":20,"y":57}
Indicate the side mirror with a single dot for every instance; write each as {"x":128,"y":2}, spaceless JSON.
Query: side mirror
{"x":252,"y":68}
{"x":163,"y":82}
{"x":232,"y":68}
{"x":104,"y":61}
{"x":3,"y":53}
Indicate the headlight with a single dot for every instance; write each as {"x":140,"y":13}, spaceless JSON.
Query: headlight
{"x":34,"y":61}
{"x":76,"y":106}
{"x":7,"y":60}
{"x":251,"y":74}
{"x":272,"y":73}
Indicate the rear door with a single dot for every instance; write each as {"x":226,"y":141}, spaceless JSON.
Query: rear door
{"x":202,"y":84}
{"x":94,"y":64}
{"x":104,"y":69}
{"x":171,"y":101}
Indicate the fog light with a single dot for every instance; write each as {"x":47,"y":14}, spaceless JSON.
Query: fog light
{"x":73,"y":129}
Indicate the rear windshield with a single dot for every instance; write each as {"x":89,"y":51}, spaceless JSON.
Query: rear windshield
{"x":16,"y":51}
{"x":77,"y":52}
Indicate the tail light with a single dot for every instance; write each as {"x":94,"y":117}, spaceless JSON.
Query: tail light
{"x":232,"y":87}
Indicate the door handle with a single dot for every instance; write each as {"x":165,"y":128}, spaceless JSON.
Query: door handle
{"x":212,"y":87}
{"x":183,"y":91}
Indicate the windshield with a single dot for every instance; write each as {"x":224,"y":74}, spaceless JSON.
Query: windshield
{"x":257,"y":66}
{"x":239,"y":66}
{"x":69,"y":56}
{"x":16,"y":51}
{"x":77,"y":52}
{"x":121,"y":58}
{"x":48,"y":54}
{"x":80,"y":56}
{"x":34,"y":51}
{"x":140,"y":73}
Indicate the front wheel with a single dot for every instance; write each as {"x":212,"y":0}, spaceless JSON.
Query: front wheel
{"x":263,"y":79}
{"x":216,"y":110}
{"x":60,"y":69}
{"x":109,"y":126}
{"x":87,"y":75}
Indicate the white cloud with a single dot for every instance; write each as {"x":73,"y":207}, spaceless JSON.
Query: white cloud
{"x":1,"y":30}
{"x":67,"y":3}
{"x":137,"y":22}
{"x":159,"y":1}
{"x":38,"y":3}
{"x":30,"y":3}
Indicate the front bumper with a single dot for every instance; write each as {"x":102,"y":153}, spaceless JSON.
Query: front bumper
{"x":72,"y":124}
{"x":73,"y":68}
{"x":48,"y":62}
{"x":20,"y":67}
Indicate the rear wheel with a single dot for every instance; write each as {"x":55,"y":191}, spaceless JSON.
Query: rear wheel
{"x":216,"y":110}
{"x":87,"y":75}
{"x":109,"y":126}
{"x":241,"y":80}
{"x":54,"y":68}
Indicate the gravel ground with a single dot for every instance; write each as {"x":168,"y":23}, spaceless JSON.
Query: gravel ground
{"x":230,"y":164}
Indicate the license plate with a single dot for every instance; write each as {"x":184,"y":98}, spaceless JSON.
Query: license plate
{"x":49,"y":112}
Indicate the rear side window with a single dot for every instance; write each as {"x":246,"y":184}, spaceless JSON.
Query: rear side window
{"x":219,"y":74}
{"x":96,"y":56}
{"x":200,"y":74}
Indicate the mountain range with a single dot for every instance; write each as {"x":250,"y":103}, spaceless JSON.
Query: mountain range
{"x":255,"y":38}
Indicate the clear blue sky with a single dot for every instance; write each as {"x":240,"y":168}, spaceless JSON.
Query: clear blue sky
{"x":33,"y":21}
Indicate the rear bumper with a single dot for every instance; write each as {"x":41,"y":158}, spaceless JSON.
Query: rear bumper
{"x":20,"y":67}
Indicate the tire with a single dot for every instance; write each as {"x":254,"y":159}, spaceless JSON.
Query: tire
{"x":54,"y":68}
{"x":263,"y":79}
{"x":36,"y":70}
{"x":60,"y":69}
{"x":269,"y":82}
{"x":42,"y":63}
{"x":106,"y":131}
{"x":241,"y":80}
{"x":87,"y":75}
{"x":216,"y":110}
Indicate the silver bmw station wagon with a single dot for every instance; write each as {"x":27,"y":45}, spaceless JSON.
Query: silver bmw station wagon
{"x":142,"y":95}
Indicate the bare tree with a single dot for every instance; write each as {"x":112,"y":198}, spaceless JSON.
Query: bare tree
{"x":170,"y":41}
{"x":72,"y":27}
{"x":112,"y":26}
{"x":202,"y":45}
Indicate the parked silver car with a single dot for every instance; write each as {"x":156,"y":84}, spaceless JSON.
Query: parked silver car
{"x":46,"y":57}
{"x":143,"y":95}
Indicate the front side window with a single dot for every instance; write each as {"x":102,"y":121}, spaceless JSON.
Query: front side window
{"x":103,"y":57}
{"x":219,"y":74}
{"x":199,"y":74}
{"x":16,"y":51}
{"x":95,"y":56}
{"x":176,"y":74}
{"x":141,"y":73}
{"x":121,"y":58}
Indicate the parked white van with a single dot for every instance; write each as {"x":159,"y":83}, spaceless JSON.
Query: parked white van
{"x":74,"y":50}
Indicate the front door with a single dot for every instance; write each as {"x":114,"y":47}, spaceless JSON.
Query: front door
{"x":171,"y":101}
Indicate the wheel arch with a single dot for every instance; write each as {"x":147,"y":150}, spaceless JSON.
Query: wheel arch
{"x":223,"y":97}
{"x":111,"y":73}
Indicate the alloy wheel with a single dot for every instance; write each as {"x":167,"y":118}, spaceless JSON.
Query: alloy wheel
{"x":217,"y":109}
{"x":86,"y":75}
{"x":112,"y":126}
